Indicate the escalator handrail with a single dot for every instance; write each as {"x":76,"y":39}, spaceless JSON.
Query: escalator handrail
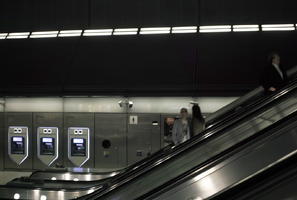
{"x":209,"y":163}
{"x":207,"y":134}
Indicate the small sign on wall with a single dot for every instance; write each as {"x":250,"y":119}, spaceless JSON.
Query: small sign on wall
{"x":133,"y":120}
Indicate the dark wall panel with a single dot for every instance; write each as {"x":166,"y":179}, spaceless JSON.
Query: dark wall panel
{"x":16,"y":15}
{"x":150,"y":13}
{"x":124,"y":64}
{"x":277,"y":11}
{"x":215,"y":12}
{"x":72,"y":14}
{"x":44,"y":13}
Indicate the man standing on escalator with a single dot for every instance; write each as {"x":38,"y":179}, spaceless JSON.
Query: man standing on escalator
{"x":181,"y":128}
{"x":273,"y":76}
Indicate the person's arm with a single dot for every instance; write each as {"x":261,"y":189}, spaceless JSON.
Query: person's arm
{"x":174,"y":133}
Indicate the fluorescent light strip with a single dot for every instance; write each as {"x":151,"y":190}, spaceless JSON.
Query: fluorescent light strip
{"x":70,"y":33}
{"x":3,"y":36}
{"x":155,"y":30}
{"x":20,"y":35}
{"x":44,"y":34}
{"x":125,"y":31}
{"x":98,"y":32}
{"x":184,"y":29}
{"x":246,"y":28}
{"x":278,"y":27}
{"x":215,"y":29}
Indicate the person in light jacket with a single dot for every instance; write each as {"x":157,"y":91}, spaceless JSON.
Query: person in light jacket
{"x":181,"y":128}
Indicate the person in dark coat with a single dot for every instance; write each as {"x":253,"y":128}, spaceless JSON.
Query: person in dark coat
{"x":198,"y":121}
{"x":273,"y":76}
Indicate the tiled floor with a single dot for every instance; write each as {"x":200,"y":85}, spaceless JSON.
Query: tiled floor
{"x":6,"y":176}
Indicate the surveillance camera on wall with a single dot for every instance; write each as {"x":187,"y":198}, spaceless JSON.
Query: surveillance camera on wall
{"x":125,"y":103}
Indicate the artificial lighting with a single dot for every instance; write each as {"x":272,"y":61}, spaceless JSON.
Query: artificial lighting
{"x":98,"y":32}
{"x":215,"y":29}
{"x":3,"y":36}
{"x":184,"y":29}
{"x":125,"y":31}
{"x":278,"y":27}
{"x":70,"y":33}
{"x":43,"y":197}
{"x":16,"y":196}
{"x":21,"y":35}
{"x":246,"y":28}
{"x":53,"y":178}
{"x":44,"y":34}
{"x":75,"y":179}
{"x":160,"y":30}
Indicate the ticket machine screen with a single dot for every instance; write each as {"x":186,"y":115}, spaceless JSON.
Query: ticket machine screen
{"x":47,"y":146}
{"x":78,"y":147}
{"x":17,"y":145}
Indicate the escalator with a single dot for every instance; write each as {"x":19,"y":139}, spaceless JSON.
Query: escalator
{"x":236,"y":128}
{"x":273,"y":147}
{"x":200,"y":152}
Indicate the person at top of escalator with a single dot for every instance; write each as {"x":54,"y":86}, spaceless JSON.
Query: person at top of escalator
{"x":181,"y":128}
{"x":273,"y":76}
{"x":198,"y":121}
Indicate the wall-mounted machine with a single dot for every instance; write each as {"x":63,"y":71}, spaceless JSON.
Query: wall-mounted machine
{"x":18,"y":141}
{"x":79,"y":134}
{"x":47,"y":140}
{"x":18,"y":144}
{"x":47,"y":144}
{"x":78,"y":145}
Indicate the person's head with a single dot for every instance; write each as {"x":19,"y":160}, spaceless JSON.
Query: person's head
{"x":196,"y":112}
{"x":184,"y":113}
{"x":274,"y":58}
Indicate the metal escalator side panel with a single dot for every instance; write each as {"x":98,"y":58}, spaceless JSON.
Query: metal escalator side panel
{"x":163,"y":173}
{"x":253,"y":160}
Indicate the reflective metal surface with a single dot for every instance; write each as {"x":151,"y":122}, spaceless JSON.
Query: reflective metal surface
{"x":70,"y":174}
{"x":44,"y":121}
{"x":85,"y":121}
{"x":18,"y":160}
{"x":26,"y":194}
{"x":2,"y":132}
{"x":143,"y":136}
{"x":110,"y":141}
{"x":174,"y":167}
{"x":258,"y":157}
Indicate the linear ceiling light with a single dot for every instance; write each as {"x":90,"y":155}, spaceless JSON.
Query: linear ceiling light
{"x":246,"y":28}
{"x":157,"y":30}
{"x":98,"y":32}
{"x":70,"y":33}
{"x":20,"y":35}
{"x":278,"y":27}
{"x":215,"y":29}
{"x":125,"y":31}
{"x":184,"y":29}
{"x":3,"y":36}
{"x":44,"y":34}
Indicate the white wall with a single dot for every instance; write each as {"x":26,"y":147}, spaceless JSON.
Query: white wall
{"x":110,"y":104}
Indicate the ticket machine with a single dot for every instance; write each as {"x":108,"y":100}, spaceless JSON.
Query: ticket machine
{"x":47,"y":144}
{"x":18,"y":144}
{"x":78,"y":145}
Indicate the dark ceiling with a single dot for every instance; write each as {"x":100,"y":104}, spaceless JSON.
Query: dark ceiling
{"x":162,"y":65}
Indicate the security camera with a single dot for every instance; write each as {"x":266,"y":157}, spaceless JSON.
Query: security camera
{"x":121,"y":104}
{"x":125,"y":103}
{"x":130,"y":104}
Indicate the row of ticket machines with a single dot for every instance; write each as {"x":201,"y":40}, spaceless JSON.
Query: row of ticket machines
{"x":48,"y":144}
{"x":90,"y":140}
